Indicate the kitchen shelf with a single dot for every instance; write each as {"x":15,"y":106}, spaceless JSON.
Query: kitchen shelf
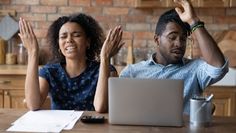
{"x":195,"y":3}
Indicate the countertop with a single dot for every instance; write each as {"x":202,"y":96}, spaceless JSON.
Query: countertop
{"x":13,"y":69}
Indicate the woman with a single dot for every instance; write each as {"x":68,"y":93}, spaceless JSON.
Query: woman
{"x":76,"y":79}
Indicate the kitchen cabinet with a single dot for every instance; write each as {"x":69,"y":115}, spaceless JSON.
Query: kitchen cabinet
{"x":1,"y":99}
{"x":213,"y":3}
{"x":150,"y":3}
{"x":12,"y":84}
{"x":224,"y":99}
{"x":13,"y":98}
{"x":170,"y":3}
{"x":7,"y":12}
{"x":12,"y":79}
{"x":195,"y":3}
{"x":232,"y":3}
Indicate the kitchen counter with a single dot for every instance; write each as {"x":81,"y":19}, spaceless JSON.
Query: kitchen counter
{"x":13,"y":69}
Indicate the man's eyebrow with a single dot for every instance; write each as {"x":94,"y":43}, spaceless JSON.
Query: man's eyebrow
{"x":172,"y":32}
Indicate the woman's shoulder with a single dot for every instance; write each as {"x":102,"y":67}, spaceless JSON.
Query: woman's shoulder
{"x":51,"y":65}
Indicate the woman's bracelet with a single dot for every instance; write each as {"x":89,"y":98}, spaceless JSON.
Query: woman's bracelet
{"x":196,"y":25}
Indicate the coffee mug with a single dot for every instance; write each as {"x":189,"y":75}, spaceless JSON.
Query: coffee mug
{"x":200,"y":111}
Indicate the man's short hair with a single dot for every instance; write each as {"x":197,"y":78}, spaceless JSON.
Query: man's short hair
{"x":171,"y":16}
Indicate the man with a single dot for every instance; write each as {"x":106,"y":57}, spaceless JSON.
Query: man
{"x":168,"y":62}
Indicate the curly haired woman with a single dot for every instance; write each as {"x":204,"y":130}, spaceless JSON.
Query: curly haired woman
{"x":77,"y":76}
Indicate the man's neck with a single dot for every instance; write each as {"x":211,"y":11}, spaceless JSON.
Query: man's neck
{"x":160,"y":60}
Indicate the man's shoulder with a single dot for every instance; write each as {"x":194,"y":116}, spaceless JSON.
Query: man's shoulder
{"x":130,"y":69}
{"x":139,"y":64}
{"x":196,"y":61}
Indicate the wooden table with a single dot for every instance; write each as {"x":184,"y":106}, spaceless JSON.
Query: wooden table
{"x":219,"y":125}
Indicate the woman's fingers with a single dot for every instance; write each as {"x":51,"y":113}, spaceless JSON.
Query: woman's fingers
{"x":112,"y":43}
{"x":30,"y":28}
{"x":25,"y":27}
{"x":120,"y":46}
{"x":120,"y":34}
{"x":113,"y":34}
{"x":27,"y":35}
{"x":117,"y":35}
{"x":109,"y":34}
{"x":117,"y":43}
{"x":20,"y":27}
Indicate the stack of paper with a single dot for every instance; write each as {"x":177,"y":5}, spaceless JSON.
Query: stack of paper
{"x":46,"y":121}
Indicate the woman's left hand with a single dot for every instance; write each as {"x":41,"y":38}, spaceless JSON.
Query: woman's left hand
{"x":112,"y":44}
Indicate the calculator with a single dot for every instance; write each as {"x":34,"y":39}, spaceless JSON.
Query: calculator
{"x":92,"y":119}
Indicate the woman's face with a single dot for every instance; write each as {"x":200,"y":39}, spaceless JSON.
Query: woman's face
{"x":73,"y":41}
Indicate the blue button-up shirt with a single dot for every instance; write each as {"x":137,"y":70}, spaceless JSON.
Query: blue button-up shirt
{"x":196,"y":73}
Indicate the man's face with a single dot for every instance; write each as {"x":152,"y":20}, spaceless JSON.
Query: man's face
{"x":171,"y":44}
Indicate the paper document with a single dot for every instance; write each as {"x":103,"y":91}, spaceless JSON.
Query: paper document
{"x":46,"y":121}
{"x":77,"y":115}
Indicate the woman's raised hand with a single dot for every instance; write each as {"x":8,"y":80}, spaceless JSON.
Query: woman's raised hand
{"x":28,"y":37}
{"x":112,"y":44}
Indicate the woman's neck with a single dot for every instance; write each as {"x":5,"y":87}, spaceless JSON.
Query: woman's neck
{"x":75,"y":67}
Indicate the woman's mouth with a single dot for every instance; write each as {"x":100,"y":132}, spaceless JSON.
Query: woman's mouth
{"x":70,"y":49}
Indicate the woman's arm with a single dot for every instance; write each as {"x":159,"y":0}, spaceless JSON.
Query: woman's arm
{"x":33,"y":94}
{"x":210,"y":51}
{"x":110,"y":47}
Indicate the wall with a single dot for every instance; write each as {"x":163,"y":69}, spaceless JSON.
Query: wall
{"x":138,"y":24}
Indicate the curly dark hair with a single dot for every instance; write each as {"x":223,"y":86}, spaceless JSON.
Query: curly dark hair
{"x":92,"y":30}
{"x":171,"y":16}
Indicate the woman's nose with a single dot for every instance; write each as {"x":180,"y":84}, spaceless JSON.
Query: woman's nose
{"x":69,"y":39}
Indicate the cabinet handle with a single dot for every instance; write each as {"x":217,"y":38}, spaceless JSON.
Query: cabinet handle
{"x":6,"y":93}
{"x":5,"y":81}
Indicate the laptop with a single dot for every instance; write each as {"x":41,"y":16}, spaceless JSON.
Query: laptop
{"x":153,"y":102}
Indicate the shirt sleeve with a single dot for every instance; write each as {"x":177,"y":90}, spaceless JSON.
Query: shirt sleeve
{"x":209,"y":74}
{"x":43,"y":72}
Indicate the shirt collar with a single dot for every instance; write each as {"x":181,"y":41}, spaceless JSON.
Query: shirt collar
{"x":151,"y":61}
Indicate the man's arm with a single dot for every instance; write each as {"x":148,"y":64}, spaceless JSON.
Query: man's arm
{"x":209,"y":49}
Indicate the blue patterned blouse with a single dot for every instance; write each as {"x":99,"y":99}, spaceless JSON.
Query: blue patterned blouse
{"x":71,"y":93}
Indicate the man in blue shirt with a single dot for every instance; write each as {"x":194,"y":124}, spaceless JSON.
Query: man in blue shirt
{"x":168,"y":62}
